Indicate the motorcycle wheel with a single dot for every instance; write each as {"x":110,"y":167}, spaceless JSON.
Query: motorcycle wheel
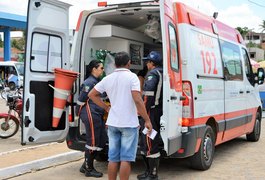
{"x":8,"y":128}
{"x":4,"y":94}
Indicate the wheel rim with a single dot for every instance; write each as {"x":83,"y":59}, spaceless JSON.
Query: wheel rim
{"x":4,"y":126}
{"x":208,"y":148}
{"x":12,"y":86}
{"x":7,"y":128}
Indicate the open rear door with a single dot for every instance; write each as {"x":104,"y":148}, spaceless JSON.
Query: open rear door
{"x":172,"y":84}
{"x":47,"y":48}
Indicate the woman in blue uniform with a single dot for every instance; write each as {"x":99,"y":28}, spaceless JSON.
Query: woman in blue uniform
{"x":92,"y":116}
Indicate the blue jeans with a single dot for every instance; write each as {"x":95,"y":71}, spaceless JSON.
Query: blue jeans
{"x":123,"y":143}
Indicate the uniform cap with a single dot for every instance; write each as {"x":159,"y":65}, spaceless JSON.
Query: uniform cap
{"x":153,"y":56}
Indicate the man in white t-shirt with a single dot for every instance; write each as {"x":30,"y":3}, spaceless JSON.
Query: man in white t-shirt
{"x":123,"y":90}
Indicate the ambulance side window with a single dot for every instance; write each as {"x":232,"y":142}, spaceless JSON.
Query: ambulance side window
{"x":232,"y":61}
{"x":248,"y":67}
{"x":46,"y":52}
{"x":173,"y":48}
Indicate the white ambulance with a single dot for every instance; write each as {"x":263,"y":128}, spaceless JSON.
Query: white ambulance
{"x":210,"y":92}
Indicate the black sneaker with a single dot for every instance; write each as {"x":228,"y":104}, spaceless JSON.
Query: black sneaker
{"x":93,"y":173}
{"x":142,"y":176}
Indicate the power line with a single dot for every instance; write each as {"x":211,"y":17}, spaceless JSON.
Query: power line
{"x":260,"y":5}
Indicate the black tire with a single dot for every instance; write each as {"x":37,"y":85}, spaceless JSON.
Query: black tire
{"x":12,"y":86}
{"x":3,"y":94}
{"x":255,"y":134}
{"x":10,"y":129}
{"x":203,"y":159}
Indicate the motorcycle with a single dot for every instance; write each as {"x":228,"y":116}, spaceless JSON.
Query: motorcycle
{"x":10,"y":121}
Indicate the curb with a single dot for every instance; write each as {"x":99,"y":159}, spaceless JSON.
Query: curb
{"x":27,"y":148}
{"x":40,"y":164}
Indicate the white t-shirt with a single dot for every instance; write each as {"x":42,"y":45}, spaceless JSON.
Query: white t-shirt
{"x":118,"y":86}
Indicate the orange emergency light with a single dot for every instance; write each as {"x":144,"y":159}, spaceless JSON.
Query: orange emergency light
{"x":102,"y":4}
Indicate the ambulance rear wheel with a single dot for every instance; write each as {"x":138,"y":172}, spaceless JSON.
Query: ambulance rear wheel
{"x":202,"y":160}
{"x":255,"y":134}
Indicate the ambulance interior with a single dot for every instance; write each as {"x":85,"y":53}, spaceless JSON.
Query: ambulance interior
{"x":136,"y":31}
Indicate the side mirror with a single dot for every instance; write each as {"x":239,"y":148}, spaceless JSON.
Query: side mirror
{"x":260,"y":75}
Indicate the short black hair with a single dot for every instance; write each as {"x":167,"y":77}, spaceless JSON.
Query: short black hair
{"x":121,"y":59}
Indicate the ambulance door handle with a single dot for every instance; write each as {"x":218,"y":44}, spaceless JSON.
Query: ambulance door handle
{"x":182,"y":98}
{"x":241,"y":92}
{"x":173,"y":97}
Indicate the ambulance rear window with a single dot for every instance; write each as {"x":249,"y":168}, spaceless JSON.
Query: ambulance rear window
{"x":46,"y":52}
{"x":173,"y":48}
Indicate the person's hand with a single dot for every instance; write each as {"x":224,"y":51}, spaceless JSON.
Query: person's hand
{"x":149,"y":126}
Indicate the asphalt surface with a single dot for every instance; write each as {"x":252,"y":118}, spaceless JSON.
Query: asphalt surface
{"x":237,"y":158}
{"x":16,"y":159}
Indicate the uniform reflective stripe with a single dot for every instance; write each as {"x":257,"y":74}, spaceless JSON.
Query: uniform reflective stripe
{"x":149,"y":93}
{"x":61,"y":94}
{"x":94,"y":148}
{"x":90,"y":120}
{"x":156,"y":155}
{"x":159,"y":87}
{"x":149,"y":143}
{"x":57,"y":112}
{"x":80,"y":103}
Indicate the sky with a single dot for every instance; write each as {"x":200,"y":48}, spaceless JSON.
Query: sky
{"x":236,"y":13}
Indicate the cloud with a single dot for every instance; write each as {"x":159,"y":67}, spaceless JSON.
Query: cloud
{"x":15,"y":6}
{"x":234,"y":16}
{"x":240,"y":16}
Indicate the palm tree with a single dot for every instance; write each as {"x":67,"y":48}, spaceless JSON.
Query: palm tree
{"x":262,"y":26}
{"x":243,"y":31}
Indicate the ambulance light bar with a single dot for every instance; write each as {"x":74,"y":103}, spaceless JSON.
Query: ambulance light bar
{"x":102,"y":4}
{"x":105,"y":3}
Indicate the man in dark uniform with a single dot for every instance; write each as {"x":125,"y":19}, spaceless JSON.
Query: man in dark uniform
{"x":152,"y":94}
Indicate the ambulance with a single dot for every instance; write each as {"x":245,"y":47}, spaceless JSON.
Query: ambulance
{"x":210,"y":93}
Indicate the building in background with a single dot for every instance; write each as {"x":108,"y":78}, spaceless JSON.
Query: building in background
{"x":256,"y":42}
{"x":16,"y":55}
{"x":8,"y":23}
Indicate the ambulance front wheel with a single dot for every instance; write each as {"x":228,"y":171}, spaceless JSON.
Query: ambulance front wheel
{"x":255,"y":134}
{"x":202,"y":160}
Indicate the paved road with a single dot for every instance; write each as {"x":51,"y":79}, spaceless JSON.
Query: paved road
{"x":236,"y":159}
{"x":13,"y":142}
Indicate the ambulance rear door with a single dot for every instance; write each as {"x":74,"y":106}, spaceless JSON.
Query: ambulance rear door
{"x":172,"y":86}
{"x":47,"y":48}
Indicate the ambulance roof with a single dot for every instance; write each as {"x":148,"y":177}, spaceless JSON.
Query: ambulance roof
{"x":191,"y":16}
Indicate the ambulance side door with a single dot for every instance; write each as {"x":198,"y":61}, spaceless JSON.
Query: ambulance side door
{"x":172,"y":86}
{"x":47,"y":48}
{"x":235,"y":91}
{"x":252,"y":95}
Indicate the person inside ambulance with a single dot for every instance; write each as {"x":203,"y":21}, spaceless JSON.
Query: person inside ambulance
{"x":152,"y":95}
{"x":92,"y":116}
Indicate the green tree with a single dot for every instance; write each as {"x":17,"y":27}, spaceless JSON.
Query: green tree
{"x":18,"y":43}
{"x":262,"y":26}
{"x":243,"y":31}
{"x":251,"y":44}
